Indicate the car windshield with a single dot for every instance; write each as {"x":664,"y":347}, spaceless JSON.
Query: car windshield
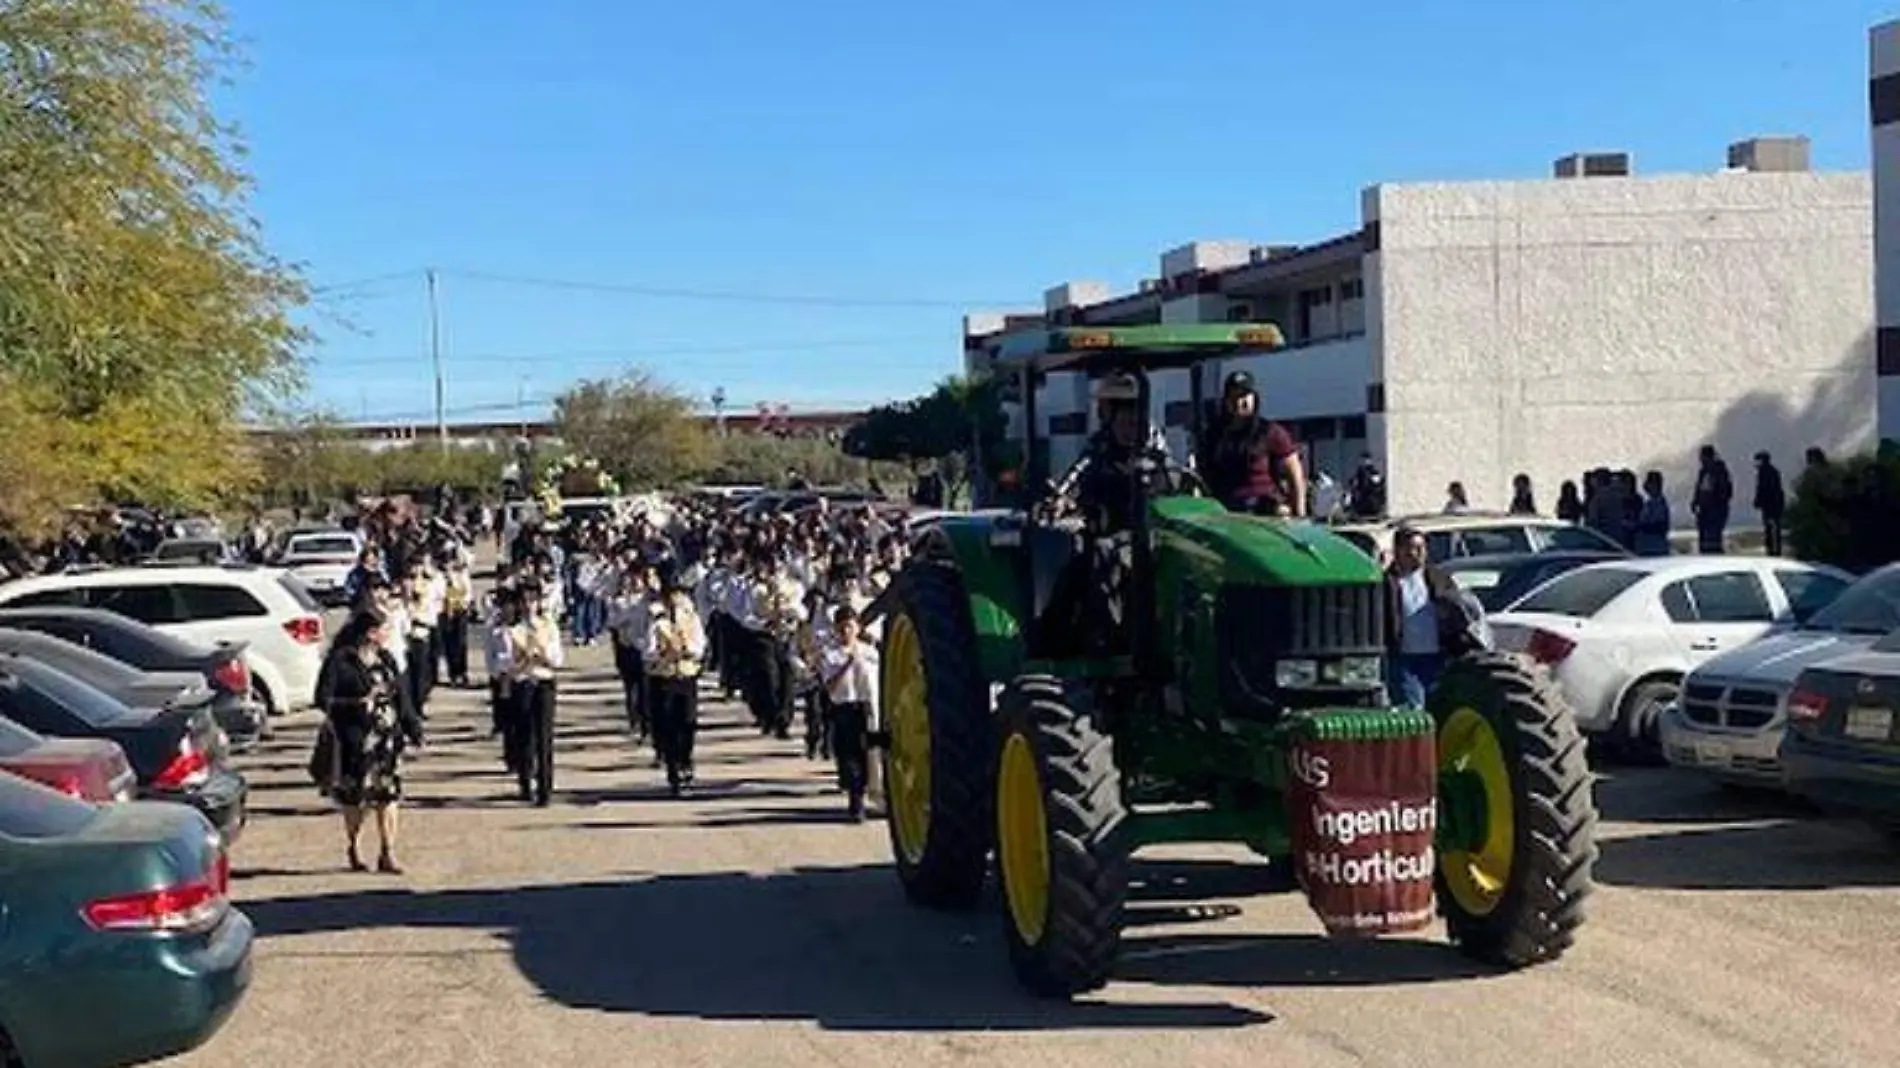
{"x":96,"y":707}
{"x":299,"y":592}
{"x":1580,"y":594}
{"x":29,"y":810}
{"x":1870,"y":606}
{"x":1569,"y":537}
{"x":187,"y":550}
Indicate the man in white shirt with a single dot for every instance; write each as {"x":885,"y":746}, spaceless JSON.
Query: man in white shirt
{"x":531,"y":653}
{"x":628,"y":611}
{"x":674,"y":649}
{"x":850,"y":674}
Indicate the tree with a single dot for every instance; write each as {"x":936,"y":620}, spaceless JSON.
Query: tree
{"x":641,"y":430}
{"x":138,"y":306}
{"x":958,"y":420}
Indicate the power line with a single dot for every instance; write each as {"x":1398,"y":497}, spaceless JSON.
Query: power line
{"x":368,"y":282}
{"x":734,"y":295}
{"x":455,"y":359}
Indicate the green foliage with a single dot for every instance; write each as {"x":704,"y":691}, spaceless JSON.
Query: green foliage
{"x":762,"y":459}
{"x":308,"y":461}
{"x":640,"y":429}
{"x":1847,"y":512}
{"x":956,"y":421}
{"x":139,"y":310}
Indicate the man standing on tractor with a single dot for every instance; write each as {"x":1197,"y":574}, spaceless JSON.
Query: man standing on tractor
{"x":1251,"y":464}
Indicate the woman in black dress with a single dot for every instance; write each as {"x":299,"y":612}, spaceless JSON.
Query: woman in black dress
{"x":372,"y":721}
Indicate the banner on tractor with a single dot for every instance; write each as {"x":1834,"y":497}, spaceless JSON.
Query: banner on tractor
{"x":1363,"y":801}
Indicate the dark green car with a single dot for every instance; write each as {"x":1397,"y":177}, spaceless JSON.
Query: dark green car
{"x":118,"y":942}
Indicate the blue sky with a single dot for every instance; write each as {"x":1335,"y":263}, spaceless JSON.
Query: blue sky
{"x":904,"y":162}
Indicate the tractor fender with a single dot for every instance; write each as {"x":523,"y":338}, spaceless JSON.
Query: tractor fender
{"x":990,"y":583}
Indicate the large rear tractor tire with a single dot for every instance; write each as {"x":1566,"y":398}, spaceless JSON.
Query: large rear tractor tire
{"x":1517,"y":834}
{"x":1062,"y":846}
{"x":938,"y":762}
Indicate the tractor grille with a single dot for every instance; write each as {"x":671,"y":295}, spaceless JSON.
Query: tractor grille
{"x":1259,"y":626}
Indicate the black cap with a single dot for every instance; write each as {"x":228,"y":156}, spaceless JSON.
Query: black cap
{"x":1237,"y":382}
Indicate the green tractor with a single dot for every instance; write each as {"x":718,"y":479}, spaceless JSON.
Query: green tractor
{"x":1245,"y":639}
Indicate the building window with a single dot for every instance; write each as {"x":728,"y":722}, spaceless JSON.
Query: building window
{"x":1240,"y":311}
{"x":1354,"y":428}
{"x":1352,"y":289}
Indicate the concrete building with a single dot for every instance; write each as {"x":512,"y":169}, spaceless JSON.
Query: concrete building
{"x":1883,"y":106}
{"x":1469,"y":331}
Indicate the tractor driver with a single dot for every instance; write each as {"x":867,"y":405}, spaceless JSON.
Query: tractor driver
{"x":1114,"y":475}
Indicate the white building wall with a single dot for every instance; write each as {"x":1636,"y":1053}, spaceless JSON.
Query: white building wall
{"x":1884,"y":63}
{"x":1554,"y":326}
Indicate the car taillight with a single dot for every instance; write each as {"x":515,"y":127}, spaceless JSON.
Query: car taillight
{"x":233,"y":676}
{"x":305,"y":630}
{"x":194,"y":906}
{"x":1806,"y":706}
{"x":65,"y":780}
{"x":189,"y":768}
{"x":1547,"y":648}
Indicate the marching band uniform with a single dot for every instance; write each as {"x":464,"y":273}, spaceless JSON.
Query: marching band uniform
{"x":808,"y":653}
{"x":494,"y":650}
{"x":420,"y":660}
{"x":674,"y":649}
{"x":774,"y":614}
{"x":458,"y":597}
{"x":532,"y":652}
{"x":851,"y":669}
{"x":628,"y":616}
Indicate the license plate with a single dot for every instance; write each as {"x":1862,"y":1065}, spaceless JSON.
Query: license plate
{"x":1869,"y":724}
{"x":1711,"y":753}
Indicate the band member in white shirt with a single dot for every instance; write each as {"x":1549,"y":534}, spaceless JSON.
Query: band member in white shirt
{"x":851,"y":670}
{"x":674,"y":651}
{"x":628,"y":609}
{"x":532,"y":652}
{"x":458,"y":603}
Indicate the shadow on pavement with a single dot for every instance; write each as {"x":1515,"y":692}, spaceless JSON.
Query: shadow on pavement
{"x":835,"y":946}
{"x":705,"y":791}
{"x":1812,"y":854}
{"x":1668,"y":796}
{"x":1293,"y":960}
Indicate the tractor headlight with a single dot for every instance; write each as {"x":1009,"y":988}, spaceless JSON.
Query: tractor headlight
{"x":1295,"y":674}
{"x":1356,"y":671}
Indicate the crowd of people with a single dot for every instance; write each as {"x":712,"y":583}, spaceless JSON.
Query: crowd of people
{"x":694,"y":597}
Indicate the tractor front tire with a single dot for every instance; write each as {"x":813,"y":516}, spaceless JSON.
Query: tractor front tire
{"x":1513,"y":892}
{"x":1062,"y":845}
{"x":938,"y":760}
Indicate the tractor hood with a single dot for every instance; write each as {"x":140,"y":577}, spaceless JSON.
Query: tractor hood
{"x":1259,"y":551}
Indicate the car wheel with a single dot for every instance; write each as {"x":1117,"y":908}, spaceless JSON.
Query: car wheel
{"x":1639,"y":721}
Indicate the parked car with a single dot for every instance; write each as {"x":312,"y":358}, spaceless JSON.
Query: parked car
{"x":1450,"y":536}
{"x":208,"y":551}
{"x":1842,"y":746}
{"x":241,"y":720}
{"x":279,"y":623}
{"x":1499,"y":579}
{"x":121,"y":944}
{"x":91,"y":769}
{"x":130,"y":642}
{"x":1618,"y":638}
{"x":178,"y":754}
{"x":322,"y":561}
{"x":1733,"y":710}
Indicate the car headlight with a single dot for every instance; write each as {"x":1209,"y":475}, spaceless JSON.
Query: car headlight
{"x":1295,"y":674}
{"x":1354,"y":671}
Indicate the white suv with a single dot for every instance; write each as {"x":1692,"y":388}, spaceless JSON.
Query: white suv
{"x":265,"y":609}
{"x":1452,"y":535}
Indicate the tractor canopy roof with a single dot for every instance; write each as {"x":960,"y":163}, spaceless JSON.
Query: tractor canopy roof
{"x":1108,"y":349}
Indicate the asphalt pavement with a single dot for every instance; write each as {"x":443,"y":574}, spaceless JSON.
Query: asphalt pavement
{"x":752,"y":925}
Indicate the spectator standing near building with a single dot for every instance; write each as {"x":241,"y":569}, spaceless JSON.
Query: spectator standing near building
{"x":1714,"y":494}
{"x":1771,"y":500}
{"x":1427,"y":621}
{"x":1523,"y":501}
{"x":1652,"y":522}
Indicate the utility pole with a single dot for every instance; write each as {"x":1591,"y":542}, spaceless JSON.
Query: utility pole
{"x":435,"y":358}
{"x":521,"y":404}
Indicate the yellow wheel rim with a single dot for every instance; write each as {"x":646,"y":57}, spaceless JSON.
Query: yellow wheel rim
{"x":1476,"y":879}
{"x":1022,"y":839}
{"x":907,"y":716}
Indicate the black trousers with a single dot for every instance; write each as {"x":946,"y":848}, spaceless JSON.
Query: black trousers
{"x":416,"y":672}
{"x":817,"y":722}
{"x":772,"y":697}
{"x":675,"y":723}
{"x":534,"y":726}
{"x":850,"y":728}
{"x":455,"y":646}
{"x":1771,"y":535}
{"x":734,"y":657}
{"x":632,"y":669}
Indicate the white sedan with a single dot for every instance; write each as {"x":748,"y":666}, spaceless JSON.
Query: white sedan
{"x":1619,"y":637}
{"x":322,"y":561}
